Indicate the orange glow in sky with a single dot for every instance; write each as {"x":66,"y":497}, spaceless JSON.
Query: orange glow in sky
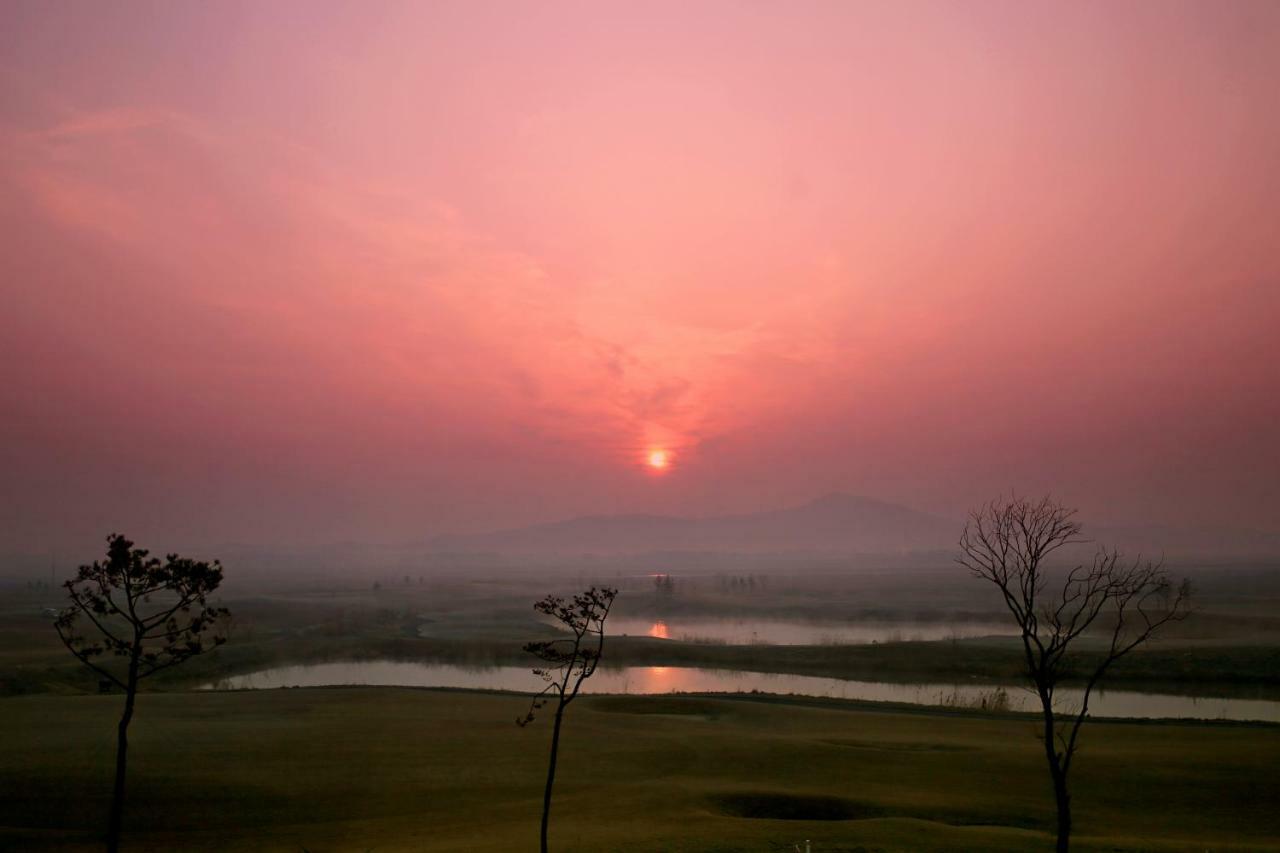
{"x":444,"y":267}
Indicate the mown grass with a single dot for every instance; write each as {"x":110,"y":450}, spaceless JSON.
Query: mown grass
{"x":399,"y":769}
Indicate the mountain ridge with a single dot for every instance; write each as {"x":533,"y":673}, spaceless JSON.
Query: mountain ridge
{"x":833,"y":522}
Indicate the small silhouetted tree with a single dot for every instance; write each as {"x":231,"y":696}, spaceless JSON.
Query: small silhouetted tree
{"x":1124,"y":602}
{"x":151,"y":613}
{"x":566,"y":663}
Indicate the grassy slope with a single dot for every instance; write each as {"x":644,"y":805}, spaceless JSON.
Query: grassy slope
{"x":395,"y":769}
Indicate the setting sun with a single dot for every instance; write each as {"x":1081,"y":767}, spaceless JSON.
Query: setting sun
{"x":917,"y":359}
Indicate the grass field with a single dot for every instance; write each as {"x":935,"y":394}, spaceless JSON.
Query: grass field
{"x":398,"y":769}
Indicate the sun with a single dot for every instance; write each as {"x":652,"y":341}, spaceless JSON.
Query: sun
{"x":659,"y":459}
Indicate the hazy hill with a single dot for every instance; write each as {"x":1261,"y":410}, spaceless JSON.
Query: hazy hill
{"x":841,"y":523}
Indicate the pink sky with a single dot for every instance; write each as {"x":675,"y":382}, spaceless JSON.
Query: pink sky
{"x":301,"y":272}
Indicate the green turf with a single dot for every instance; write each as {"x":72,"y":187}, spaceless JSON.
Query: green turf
{"x":398,"y":769}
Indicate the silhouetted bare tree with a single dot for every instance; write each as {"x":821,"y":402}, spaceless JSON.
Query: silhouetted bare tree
{"x":1007,"y":543}
{"x":151,"y":613}
{"x":568,"y":662}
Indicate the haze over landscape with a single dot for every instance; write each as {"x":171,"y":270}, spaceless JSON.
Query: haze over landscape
{"x":299,"y":273}
{"x":612,"y":427}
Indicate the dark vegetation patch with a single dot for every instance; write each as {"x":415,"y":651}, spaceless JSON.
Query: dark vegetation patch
{"x":776,"y":805}
{"x":771,"y":805}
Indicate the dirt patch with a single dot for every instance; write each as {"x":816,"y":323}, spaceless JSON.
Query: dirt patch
{"x":772,"y":805}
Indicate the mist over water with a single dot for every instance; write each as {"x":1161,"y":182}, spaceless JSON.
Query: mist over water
{"x":784,"y":632}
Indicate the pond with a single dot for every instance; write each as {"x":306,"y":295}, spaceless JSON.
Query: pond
{"x":662,"y":679}
{"x":790,"y":632}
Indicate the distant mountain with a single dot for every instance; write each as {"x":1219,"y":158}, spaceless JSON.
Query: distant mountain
{"x":835,"y":523}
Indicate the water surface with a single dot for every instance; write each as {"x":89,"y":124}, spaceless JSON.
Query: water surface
{"x":669,"y":679}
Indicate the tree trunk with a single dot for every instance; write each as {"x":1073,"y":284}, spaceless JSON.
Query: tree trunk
{"x":1064,"y":811}
{"x":122,"y":755}
{"x":1059,"y":776}
{"x":551,"y":775}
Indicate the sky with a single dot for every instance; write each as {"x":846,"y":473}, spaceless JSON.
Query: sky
{"x":309,"y":272}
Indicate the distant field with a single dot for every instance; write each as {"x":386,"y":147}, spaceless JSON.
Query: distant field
{"x":401,"y":770}
{"x":1231,"y":646}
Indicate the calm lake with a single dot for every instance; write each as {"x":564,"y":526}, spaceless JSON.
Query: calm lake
{"x":790,"y":632}
{"x":660,"y":679}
